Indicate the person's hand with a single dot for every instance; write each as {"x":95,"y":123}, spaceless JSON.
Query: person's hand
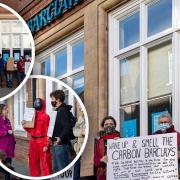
{"x":45,"y":148}
{"x":23,"y":122}
{"x":58,"y":140}
{"x":83,"y":132}
{"x":10,"y":131}
{"x":116,"y":138}
{"x":104,"y":159}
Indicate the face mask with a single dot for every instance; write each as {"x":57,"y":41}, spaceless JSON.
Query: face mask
{"x":38,"y":104}
{"x":164,"y":126}
{"x":53,"y":103}
{"x":109,"y":129}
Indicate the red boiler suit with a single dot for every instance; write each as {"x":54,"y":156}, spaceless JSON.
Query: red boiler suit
{"x":37,"y":158}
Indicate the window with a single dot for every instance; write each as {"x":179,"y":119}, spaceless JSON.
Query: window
{"x":159,"y":16}
{"x":141,"y":68}
{"x":66,"y":61}
{"x":61,"y":62}
{"x":45,"y":67}
{"x":129,"y":30}
{"x":13,"y":36}
{"x":78,"y":54}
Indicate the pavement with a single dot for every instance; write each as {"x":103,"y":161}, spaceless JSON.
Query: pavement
{"x":5,"y":91}
{"x":20,"y":168}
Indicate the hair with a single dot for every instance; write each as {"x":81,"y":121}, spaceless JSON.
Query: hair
{"x":166,"y":115}
{"x":2,"y":107}
{"x":58,"y":95}
{"x":106,"y":118}
{"x":0,"y":54}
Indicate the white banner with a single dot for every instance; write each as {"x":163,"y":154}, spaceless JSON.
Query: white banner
{"x":68,"y":175}
{"x":29,"y":114}
{"x":143,"y":158}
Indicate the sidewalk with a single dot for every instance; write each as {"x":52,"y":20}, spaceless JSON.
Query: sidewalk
{"x":5,"y":91}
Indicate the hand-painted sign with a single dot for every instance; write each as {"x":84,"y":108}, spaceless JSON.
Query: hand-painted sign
{"x":54,"y":10}
{"x":143,"y":158}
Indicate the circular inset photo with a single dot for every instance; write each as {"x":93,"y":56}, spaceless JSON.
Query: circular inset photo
{"x":17,"y":52}
{"x":43,"y":129}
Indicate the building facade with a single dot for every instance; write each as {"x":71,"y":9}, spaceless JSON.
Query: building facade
{"x":124,"y":55}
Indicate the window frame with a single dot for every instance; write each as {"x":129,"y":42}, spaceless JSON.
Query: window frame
{"x":142,"y":47}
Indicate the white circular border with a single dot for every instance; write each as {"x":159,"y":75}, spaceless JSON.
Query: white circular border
{"x":85,"y":140}
{"x":32,"y":49}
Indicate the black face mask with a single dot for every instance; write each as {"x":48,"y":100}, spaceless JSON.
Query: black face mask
{"x":53,"y":103}
{"x":38,"y":104}
{"x":109,"y":129}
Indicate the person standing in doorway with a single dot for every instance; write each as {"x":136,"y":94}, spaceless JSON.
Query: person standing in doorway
{"x":62,"y":131}
{"x":2,"y":68}
{"x":21,"y":70}
{"x":10,"y":71}
{"x":39,"y":149}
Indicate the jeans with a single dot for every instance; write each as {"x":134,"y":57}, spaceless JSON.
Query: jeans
{"x":9,"y":80}
{"x":77,"y":166}
{"x":6,"y":174}
{"x":60,"y":157}
{"x":21,"y":77}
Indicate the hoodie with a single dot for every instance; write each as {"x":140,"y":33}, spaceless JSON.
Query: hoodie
{"x":41,"y":125}
{"x":63,"y":125}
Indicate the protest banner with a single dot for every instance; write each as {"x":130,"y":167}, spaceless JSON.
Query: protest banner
{"x":143,"y":158}
{"x":29,"y":115}
{"x":67,"y":175}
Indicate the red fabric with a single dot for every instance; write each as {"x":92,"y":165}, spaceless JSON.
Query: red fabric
{"x":170,"y":130}
{"x":36,"y":154}
{"x":100,"y":151}
{"x":21,"y":65}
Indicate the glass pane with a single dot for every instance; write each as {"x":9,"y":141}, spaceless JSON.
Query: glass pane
{"x":160,"y":70}
{"x":78,"y":55}
{"x":159,"y":16}
{"x":5,"y":41}
{"x":78,"y":83}
{"x":129,"y":80}
{"x":26,"y":41}
{"x":17,"y":27}
{"x":129,"y":30}
{"x":16,"y":42}
{"x":46,"y":67}
{"x":155,"y":109}
{"x":5,"y":26}
{"x":129,"y":124}
{"x":61,"y":62}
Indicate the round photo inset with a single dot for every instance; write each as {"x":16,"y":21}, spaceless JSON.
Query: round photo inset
{"x":17,"y":52}
{"x":49,"y":124}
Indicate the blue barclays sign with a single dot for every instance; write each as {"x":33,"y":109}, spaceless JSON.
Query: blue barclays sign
{"x":54,"y":10}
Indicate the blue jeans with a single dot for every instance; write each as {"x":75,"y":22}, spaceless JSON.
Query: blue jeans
{"x":9,"y":79}
{"x":21,"y":77}
{"x":60,"y":157}
{"x":77,"y":167}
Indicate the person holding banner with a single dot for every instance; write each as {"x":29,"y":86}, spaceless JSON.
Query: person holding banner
{"x":39,"y":148}
{"x":100,"y":157}
{"x":166,"y":126}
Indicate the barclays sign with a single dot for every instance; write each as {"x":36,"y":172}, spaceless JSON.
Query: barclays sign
{"x":53,"y":11}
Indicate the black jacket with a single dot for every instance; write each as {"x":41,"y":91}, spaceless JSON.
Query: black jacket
{"x":62,"y":126}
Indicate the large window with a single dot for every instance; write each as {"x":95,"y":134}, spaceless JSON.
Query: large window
{"x":65,"y":61}
{"x":144,"y":65}
{"x":13,"y":37}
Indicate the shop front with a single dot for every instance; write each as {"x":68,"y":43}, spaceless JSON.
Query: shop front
{"x":123,"y":54}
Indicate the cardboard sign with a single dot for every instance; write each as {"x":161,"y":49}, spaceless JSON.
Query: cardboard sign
{"x":143,"y":158}
{"x":67,"y":175}
{"x":27,"y":66}
{"x":52,"y":123}
{"x":29,"y":116}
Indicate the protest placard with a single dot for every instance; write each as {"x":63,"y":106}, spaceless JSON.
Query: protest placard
{"x":29,"y":115}
{"x":143,"y":158}
{"x":67,"y":175}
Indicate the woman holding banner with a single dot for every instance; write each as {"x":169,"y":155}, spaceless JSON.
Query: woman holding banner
{"x":100,"y":157}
